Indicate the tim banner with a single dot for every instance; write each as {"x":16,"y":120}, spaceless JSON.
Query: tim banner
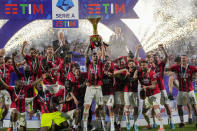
{"x":65,"y":13}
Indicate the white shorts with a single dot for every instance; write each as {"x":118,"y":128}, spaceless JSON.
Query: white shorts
{"x":51,"y":88}
{"x":68,"y":115}
{"x":108,"y":100}
{"x":184,"y":98}
{"x":5,"y":96}
{"x":119,"y":98}
{"x":93,"y":92}
{"x":131,"y":99}
{"x":164,"y":98}
{"x":21,"y":120}
{"x":151,"y":101}
{"x":11,"y":109}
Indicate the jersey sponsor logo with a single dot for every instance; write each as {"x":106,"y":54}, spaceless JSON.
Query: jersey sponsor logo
{"x":146,"y":81}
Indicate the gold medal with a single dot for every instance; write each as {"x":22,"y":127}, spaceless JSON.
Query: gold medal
{"x":184,"y":74}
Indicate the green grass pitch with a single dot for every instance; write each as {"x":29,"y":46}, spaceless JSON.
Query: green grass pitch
{"x":167,"y":128}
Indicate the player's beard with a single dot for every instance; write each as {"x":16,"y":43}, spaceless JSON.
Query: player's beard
{"x":33,"y":56}
{"x":1,"y":65}
{"x":27,"y":72}
{"x":106,"y":67}
{"x":132,"y":68}
{"x":184,"y":63}
{"x":50,"y":54}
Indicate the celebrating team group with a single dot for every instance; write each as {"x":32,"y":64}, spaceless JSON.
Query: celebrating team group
{"x":54,"y":85}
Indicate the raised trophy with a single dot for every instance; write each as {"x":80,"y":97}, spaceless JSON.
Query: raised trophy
{"x":95,"y":39}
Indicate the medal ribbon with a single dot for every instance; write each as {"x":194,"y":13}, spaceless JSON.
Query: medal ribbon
{"x":95,"y":69}
{"x":33,"y":63}
{"x":183,"y":74}
{"x":68,"y":70}
{"x":17,"y":94}
{"x":53,"y":62}
{"x":65,"y":94}
{"x":28,"y":81}
{"x":3,"y":73}
{"x":43,"y":99}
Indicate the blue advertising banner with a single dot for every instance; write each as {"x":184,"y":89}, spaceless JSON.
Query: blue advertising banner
{"x":42,"y":9}
{"x":25,"y":9}
{"x":20,"y":13}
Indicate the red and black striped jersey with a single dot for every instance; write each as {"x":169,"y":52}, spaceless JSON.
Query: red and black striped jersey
{"x":108,"y":82}
{"x":5,"y":74}
{"x":42,"y":103}
{"x":132,"y":84}
{"x":184,"y":76}
{"x":159,"y":70}
{"x":95,"y":73}
{"x":18,"y":97}
{"x":146,"y":80}
{"x":69,"y":105}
